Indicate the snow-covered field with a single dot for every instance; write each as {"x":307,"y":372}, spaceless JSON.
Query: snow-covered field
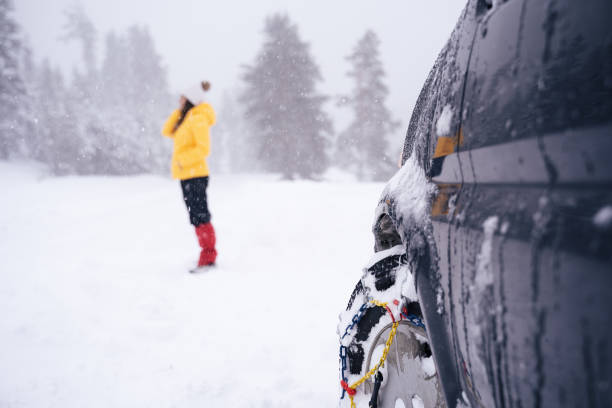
{"x":98,"y":310}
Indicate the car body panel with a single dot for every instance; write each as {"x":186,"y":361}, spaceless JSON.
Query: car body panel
{"x":515,"y":284}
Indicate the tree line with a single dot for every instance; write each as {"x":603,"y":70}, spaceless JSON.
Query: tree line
{"x":106,"y":118}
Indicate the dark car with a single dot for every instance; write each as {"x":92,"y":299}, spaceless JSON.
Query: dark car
{"x":494,"y":241}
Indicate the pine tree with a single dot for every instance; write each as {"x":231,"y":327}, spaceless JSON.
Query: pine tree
{"x":117,"y":109}
{"x":231,"y":141}
{"x":105,"y":121}
{"x":29,"y":73}
{"x":118,"y":142}
{"x":291,"y":127}
{"x":83,"y":94}
{"x":52,"y":135}
{"x":362,"y":147}
{"x":63,"y":140}
{"x":79,"y":27}
{"x":109,"y":104}
{"x":12,"y":87}
{"x":148,"y":97}
{"x":134,"y":101}
{"x":40,"y":138}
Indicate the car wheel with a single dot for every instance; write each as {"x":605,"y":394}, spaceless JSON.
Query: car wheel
{"x":411,"y":379}
{"x":383,"y":314}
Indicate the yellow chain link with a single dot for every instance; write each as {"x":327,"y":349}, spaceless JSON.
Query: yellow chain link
{"x":377,"y":303}
{"x":381,"y":362}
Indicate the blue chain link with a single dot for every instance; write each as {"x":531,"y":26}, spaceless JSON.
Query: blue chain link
{"x":343,"y":369}
{"x":416,"y":320}
{"x":355,"y":320}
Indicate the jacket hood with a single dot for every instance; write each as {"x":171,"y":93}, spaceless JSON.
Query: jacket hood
{"x":204,"y":109}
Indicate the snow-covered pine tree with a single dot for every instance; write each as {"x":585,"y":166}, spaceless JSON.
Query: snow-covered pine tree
{"x":118,"y":109}
{"x":291,"y":128}
{"x":41,"y":90}
{"x":11,"y":85}
{"x":112,"y":82}
{"x":59,"y":144}
{"x":148,"y":98}
{"x":51,"y":130}
{"x":83,"y":94}
{"x":134,"y":101}
{"x":28,"y":73}
{"x":232,"y":149}
{"x":362,"y":147}
{"x":79,"y":27}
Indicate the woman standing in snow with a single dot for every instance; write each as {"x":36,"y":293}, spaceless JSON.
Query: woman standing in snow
{"x":189,"y":127}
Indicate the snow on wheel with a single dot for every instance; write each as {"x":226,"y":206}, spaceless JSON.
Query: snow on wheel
{"x":385,"y":358}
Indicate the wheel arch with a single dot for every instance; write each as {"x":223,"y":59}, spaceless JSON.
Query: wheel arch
{"x":422,"y":255}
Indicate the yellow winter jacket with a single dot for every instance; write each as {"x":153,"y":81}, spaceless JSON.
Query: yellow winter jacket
{"x":191,"y":141}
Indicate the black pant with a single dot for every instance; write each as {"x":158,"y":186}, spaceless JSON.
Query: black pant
{"x":194,"y":194}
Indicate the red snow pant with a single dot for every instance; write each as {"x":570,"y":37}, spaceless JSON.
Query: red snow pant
{"x":207,"y":240}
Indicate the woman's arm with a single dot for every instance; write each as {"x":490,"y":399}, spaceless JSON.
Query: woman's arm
{"x":199,"y":126}
{"x":168,"y":129}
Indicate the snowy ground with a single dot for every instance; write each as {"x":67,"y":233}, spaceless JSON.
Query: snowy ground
{"x":97,"y":309}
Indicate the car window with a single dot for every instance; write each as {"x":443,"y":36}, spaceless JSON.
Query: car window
{"x":538,"y":67}
{"x":566,"y":76}
{"x":492,"y":81}
{"x":417,"y":136}
{"x":434,"y":127}
{"x":446,"y":130}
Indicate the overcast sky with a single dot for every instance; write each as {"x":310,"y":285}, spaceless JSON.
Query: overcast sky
{"x":203,"y":39}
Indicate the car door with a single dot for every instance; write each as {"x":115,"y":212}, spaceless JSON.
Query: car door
{"x":528,"y":265}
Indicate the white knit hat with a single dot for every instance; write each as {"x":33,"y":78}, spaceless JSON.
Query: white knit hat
{"x":196,"y":93}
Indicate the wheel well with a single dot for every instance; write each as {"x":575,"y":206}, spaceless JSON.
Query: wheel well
{"x":385,"y":234}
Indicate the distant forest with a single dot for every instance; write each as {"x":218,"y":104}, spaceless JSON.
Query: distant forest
{"x":106,"y":118}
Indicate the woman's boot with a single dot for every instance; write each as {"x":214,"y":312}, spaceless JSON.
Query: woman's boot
{"x":207,"y":240}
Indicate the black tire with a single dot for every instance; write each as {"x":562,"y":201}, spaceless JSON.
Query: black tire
{"x":408,"y":372}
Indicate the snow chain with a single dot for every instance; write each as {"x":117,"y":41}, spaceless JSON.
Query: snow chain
{"x":351,"y":390}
